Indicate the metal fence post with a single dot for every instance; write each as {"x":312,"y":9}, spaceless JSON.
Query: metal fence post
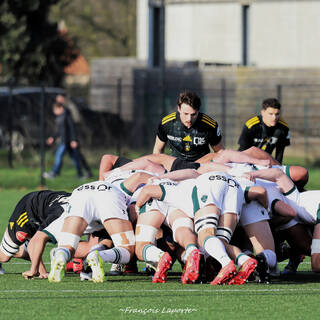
{"x":306,"y":131}
{"x":42,"y":138}
{"x":119,"y":111}
{"x":10,"y":124}
{"x":223,"y":109}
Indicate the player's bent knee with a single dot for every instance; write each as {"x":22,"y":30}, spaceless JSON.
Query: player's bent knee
{"x":209,"y":221}
{"x":69,"y":240}
{"x":224,"y":234}
{"x":123,"y":239}
{"x":181,"y":223}
{"x":7,"y":248}
{"x":145,"y":233}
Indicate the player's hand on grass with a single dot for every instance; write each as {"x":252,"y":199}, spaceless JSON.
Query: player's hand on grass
{"x":29,"y":274}
{"x":43,"y":275}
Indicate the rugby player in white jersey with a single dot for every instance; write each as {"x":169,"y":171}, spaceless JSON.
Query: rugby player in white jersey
{"x":306,"y":205}
{"x":153,"y":212}
{"x":103,"y":203}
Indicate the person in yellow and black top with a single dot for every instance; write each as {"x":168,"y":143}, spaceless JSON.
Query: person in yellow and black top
{"x":188,"y":132}
{"x":267,"y":131}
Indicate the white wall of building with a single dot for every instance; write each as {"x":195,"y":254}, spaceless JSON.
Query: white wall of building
{"x":281,"y":33}
{"x":285,"y":34}
{"x":200,"y":32}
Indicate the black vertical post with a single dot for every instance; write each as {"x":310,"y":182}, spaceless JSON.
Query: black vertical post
{"x":245,"y":35}
{"x":223,"y":110}
{"x":10,"y":124}
{"x":119,"y":111}
{"x":42,"y":136}
{"x":162,"y":53}
{"x":279,"y":92}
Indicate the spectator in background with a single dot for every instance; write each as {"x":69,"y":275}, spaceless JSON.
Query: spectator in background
{"x":63,"y":100}
{"x":66,"y":133}
{"x":267,"y":131}
{"x":188,"y":132}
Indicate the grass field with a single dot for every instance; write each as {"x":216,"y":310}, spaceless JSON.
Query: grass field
{"x":135,"y":297}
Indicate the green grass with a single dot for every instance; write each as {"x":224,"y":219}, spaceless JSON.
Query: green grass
{"x":135,"y":297}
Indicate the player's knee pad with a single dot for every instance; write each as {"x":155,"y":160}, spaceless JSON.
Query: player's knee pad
{"x":181,"y":222}
{"x":315,"y":246}
{"x":123,"y":239}
{"x":224,"y":233}
{"x":208,"y":221}
{"x":145,"y":233}
{"x":7,"y":246}
{"x":69,"y":239}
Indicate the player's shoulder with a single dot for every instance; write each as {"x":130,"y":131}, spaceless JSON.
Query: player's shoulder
{"x":168,"y":118}
{"x":252,"y":122}
{"x":207,"y":120}
{"x":283,"y":123}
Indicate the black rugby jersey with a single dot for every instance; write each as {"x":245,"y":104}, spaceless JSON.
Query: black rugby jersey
{"x":35,"y":211}
{"x":256,"y":133}
{"x":189,"y":143}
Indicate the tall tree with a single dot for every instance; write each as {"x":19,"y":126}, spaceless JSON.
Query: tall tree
{"x":32,"y":49}
{"x":102,"y":28}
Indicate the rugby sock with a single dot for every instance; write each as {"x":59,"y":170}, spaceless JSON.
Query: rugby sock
{"x":270,"y":257}
{"x":215,"y":247}
{"x":151,"y":253}
{"x":116,"y":255}
{"x":241,"y":259}
{"x":64,"y":253}
{"x":189,"y":249}
{"x":98,"y":247}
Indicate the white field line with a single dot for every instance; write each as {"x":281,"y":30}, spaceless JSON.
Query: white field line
{"x":48,"y":262}
{"x":300,"y":290}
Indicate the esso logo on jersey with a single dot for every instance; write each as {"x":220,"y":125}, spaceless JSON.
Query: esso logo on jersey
{"x":21,"y":236}
{"x":98,"y":187}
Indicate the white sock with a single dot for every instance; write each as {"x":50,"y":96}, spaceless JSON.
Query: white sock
{"x":270,"y":257}
{"x":64,"y":253}
{"x":116,"y":255}
{"x":151,"y":253}
{"x":189,"y":249}
{"x":241,"y":259}
{"x":98,"y":247}
{"x":217,"y":250}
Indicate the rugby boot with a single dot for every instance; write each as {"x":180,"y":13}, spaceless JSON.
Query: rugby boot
{"x":58,"y":266}
{"x":116,"y":269}
{"x":131,"y":267}
{"x":191,"y":268}
{"x":96,"y":263}
{"x":225,"y":274}
{"x":292,"y":266}
{"x":163,"y":267}
{"x":244,"y":272}
{"x":262,"y":271}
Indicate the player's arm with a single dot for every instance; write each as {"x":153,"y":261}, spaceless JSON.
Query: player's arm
{"x":106,"y":164}
{"x":228,"y":155}
{"x":148,"y":192}
{"x":131,"y":184}
{"x":35,"y":249}
{"x":178,"y":175}
{"x":217,"y":147}
{"x":259,"y":194}
{"x":276,"y":175}
{"x":279,"y":153}
{"x":158,"y":146}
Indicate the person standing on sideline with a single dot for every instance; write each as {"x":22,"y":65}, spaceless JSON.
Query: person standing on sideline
{"x":66,"y":133}
{"x":188,"y":132}
{"x":267,"y":131}
{"x":84,"y":164}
